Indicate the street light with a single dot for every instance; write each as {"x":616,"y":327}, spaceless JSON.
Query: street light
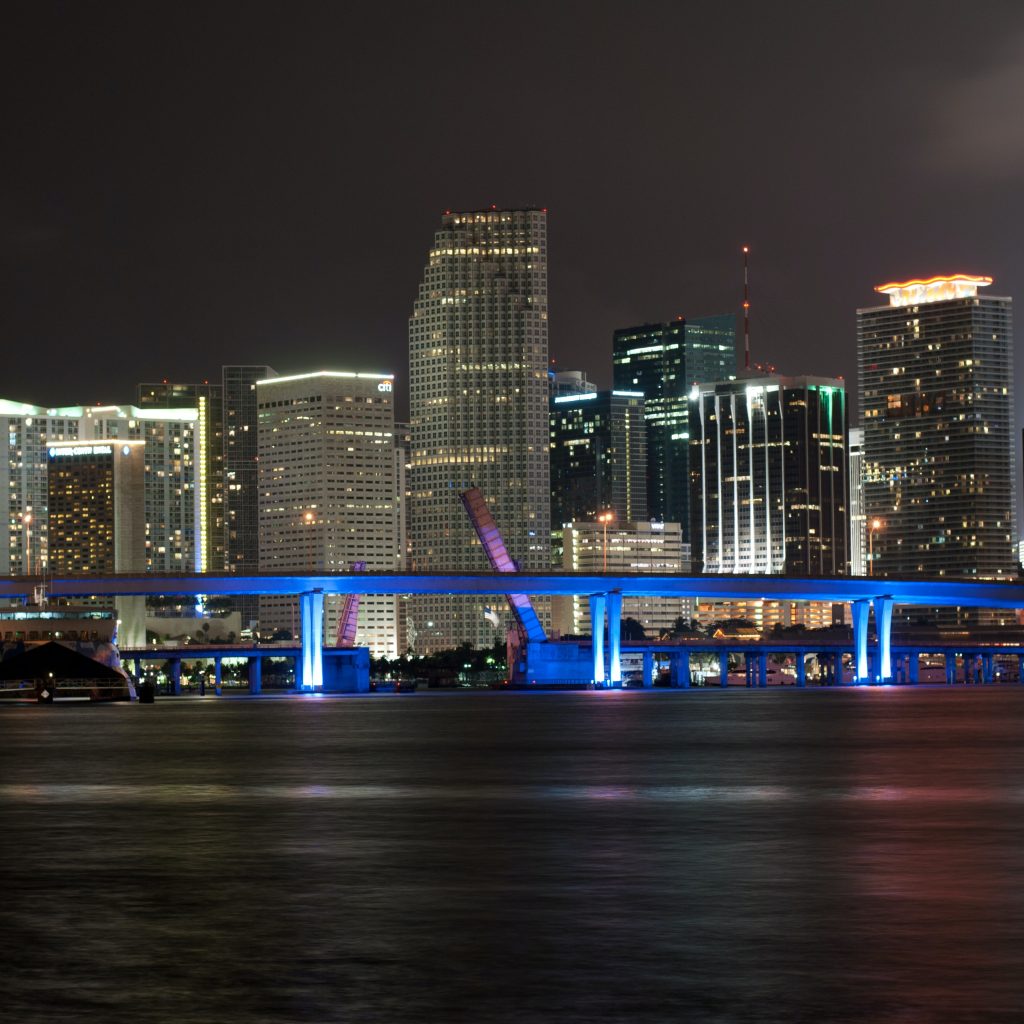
{"x":873,"y":527}
{"x":604,"y":519}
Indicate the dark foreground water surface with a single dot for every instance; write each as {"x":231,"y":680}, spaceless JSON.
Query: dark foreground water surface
{"x":494,"y":857}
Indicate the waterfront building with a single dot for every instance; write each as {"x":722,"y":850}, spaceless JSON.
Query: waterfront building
{"x":598,"y":456}
{"x":174,"y":524}
{"x":328,"y":492}
{"x":208,"y":456}
{"x":768,"y":458}
{"x":858,"y":520}
{"x":935,"y":378}
{"x":663,"y":361}
{"x":96,"y":517}
{"x":478,"y":373}
{"x":623,"y":547}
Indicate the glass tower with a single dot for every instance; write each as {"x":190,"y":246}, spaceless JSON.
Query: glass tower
{"x":478,"y":378}
{"x":663,"y":361}
{"x":768,"y":460}
{"x":935,"y":373}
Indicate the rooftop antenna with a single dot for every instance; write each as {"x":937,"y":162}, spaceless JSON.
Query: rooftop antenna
{"x":746,"y":309}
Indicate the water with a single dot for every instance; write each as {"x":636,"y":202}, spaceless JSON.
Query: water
{"x":494,"y":857}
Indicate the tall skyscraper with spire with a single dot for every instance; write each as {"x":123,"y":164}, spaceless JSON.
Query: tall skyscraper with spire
{"x":478,"y":362}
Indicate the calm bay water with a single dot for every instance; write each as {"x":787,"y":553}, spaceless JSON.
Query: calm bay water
{"x":614,"y":857}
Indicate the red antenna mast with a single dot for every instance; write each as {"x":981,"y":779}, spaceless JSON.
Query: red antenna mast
{"x":746,"y":309}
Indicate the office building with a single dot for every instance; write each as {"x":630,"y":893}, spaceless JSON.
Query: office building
{"x":663,"y":361}
{"x":569,"y":382}
{"x":623,"y":547}
{"x":935,"y":377}
{"x":96,"y":517}
{"x":478,"y":372}
{"x":768,"y":457}
{"x":858,"y":521}
{"x":328,"y":492}
{"x":598,"y":456}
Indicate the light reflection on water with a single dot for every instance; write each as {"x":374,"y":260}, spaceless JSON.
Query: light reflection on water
{"x":499,"y":857}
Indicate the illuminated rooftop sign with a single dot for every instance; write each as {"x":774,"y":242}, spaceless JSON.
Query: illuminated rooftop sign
{"x":933,"y":289}
{"x":63,"y":451}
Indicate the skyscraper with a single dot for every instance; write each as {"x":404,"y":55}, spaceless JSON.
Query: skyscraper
{"x":329,"y":492}
{"x":478,"y":362}
{"x":935,"y":373}
{"x":598,"y":457}
{"x":663,"y":361}
{"x":769,"y":476}
{"x":96,"y":516}
{"x":207,"y":399}
{"x":173,"y":456}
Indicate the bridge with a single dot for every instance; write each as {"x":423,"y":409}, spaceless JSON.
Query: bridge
{"x":604,"y":590}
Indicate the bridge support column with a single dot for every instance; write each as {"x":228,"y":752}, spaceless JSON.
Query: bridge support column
{"x":950,"y":660}
{"x":762,"y":670}
{"x":176,"y":676}
{"x":859,"y":613}
{"x":723,"y":667}
{"x":255,"y":675}
{"x":648,"y":669}
{"x":217,"y":674}
{"x":679,"y":669}
{"x":312,"y":606}
{"x":883,"y":627}
{"x":801,"y":669}
{"x":914,"y":667}
{"x":1020,"y":668}
{"x":138,"y":668}
{"x":988,"y":668}
{"x":615,"y":637}
{"x":597,"y":605}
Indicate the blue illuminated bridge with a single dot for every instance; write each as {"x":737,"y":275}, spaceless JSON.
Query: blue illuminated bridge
{"x":553,"y":662}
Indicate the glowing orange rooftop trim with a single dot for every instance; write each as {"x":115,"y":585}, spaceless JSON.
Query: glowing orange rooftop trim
{"x":892,"y":286}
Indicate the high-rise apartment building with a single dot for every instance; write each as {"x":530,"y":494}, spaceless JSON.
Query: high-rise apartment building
{"x":598,"y":456}
{"x":935,"y":375}
{"x":96,"y":517}
{"x":663,"y":361}
{"x":478,"y":373}
{"x":329,"y":492}
{"x":174,"y":522}
{"x":768,"y":458}
{"x":208,"y":400}
{"x":858,"y":520}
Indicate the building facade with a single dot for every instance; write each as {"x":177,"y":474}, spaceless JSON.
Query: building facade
{"x":329,"y":493}
{"x":172,"y":458}
{"x":478,"y":372}
{"x":598,"y":456}
{"x":769,"y":473}
{"x":96,"y":517}
{"x":935,"y":377}
{"x":620,"y":548}
{"x":663,"y":361}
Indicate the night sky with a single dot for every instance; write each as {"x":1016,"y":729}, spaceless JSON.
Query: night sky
{"x":189,"y":185}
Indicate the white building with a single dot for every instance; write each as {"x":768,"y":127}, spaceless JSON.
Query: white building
{"x":329,"y":492}
{"x":623,"y":547}
{"x":478,"y":373}
{"x":858,"y":520}
{"x":173,"y":478}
